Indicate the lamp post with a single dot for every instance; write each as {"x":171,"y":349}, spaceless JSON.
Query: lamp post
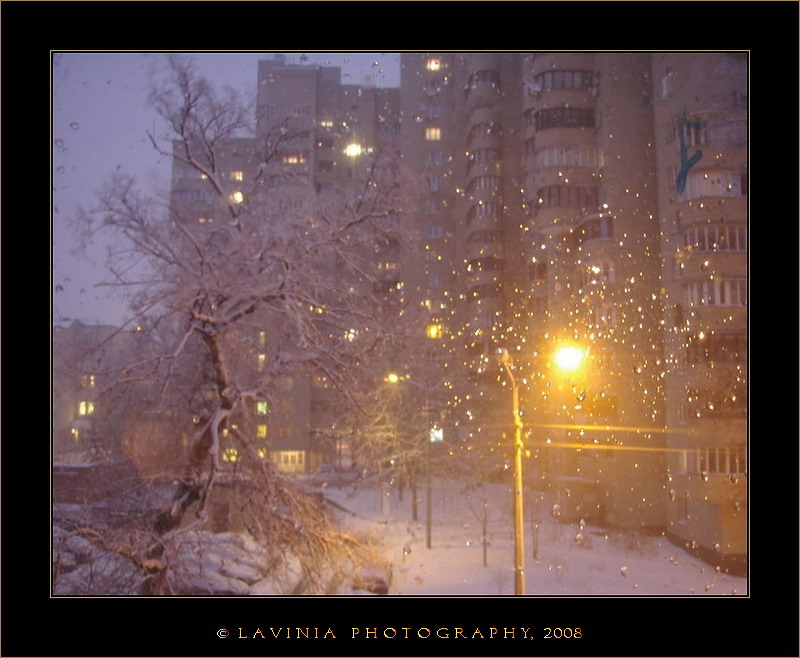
{"x":519,"y":539}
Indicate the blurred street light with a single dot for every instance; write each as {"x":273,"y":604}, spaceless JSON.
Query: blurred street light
{"x":568,"y":358}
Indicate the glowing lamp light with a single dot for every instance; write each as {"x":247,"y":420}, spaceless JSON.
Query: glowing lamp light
{"x":569,"y":358}
{"x":392,"y":378}
{"x":353,"y":150}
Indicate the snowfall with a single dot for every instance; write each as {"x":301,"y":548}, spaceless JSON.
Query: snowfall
{"x":560,"y":558}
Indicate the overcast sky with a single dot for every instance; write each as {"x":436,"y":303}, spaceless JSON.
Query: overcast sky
{"x":100,"y":120}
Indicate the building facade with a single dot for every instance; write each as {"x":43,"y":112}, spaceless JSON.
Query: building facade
{"x":700,"y":112}
{"x":586,"y":199}
{"x":597,"y":200}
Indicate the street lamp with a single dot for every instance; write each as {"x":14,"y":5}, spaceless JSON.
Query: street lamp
{"x":519,"y":540}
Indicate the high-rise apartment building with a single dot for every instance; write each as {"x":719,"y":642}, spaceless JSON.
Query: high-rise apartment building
{"x":700,"y":114}
{"x":314,"y":136}
{"x":583,"y":199}
{"x":597,"y":200}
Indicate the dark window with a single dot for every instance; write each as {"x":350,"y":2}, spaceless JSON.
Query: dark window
{"x":486,"y":76}
{"x":594,"y":229}
{"x":486,"y":291}
{"x":561,"y":79}
{"x":567,"y":195}
{"x":537,"y":271}
{"x":486,"y":264}
{"x":483,"y":183}
{"x":564,"y":117}
{"x":483,"y":236}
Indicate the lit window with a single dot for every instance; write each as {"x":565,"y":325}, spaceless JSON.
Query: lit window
{"x":88,"y":381}
{"x":230,"y":455}
{"x":261,"y":431}
{"x":85,"y":408}
{"x":299,"y":157}
{"x":433,"y":134}
{"x":237,"y":175}
{"x":353,"y":150}
{"x":205,"y":220}
{"x":262,"y":338}
{"x":262,"y":408}
{"x":434,"y":331}
{"x":237,"y":197}
{"x":262,"y":360}
{"x":433,"y":64}
{"x":76,"y":434}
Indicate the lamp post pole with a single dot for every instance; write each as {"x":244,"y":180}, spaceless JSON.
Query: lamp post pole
{"x":519,"y":539}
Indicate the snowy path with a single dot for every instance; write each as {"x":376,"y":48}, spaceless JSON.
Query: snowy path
{"x":570,"y":560}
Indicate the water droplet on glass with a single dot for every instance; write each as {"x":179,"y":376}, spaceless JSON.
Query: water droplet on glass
{"x":624,"y":571}
{"x":74,"y":125}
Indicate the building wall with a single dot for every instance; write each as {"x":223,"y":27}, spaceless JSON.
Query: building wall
{"x":82,"y":356}
{"x":700,"y":110}
{"x":561,"y":199}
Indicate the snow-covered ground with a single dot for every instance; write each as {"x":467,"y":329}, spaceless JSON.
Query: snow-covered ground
{"x":560,"y":558}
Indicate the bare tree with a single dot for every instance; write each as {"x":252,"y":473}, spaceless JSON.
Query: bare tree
{"x":480,"y":510}
{"x":302,"y":277}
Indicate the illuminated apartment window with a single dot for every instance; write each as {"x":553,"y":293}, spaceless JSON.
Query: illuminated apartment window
{"x":262,"y":361}
{"x":237,"y":175}
{"x":433,"y":134}
{"x":88,"y":381}
{"x":295,"y":158}
{"x":76,"y":434}
{"x":205,"y":220}
{"x":230,"y":455}
{"x":434,"y":331}
{"x":262,"y":338}
{"x":85,"y":408}
{"x":237,"y":197}
{"x":433,"y":64}
{"x":261,"y":431}
{"x":262,"y":408}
